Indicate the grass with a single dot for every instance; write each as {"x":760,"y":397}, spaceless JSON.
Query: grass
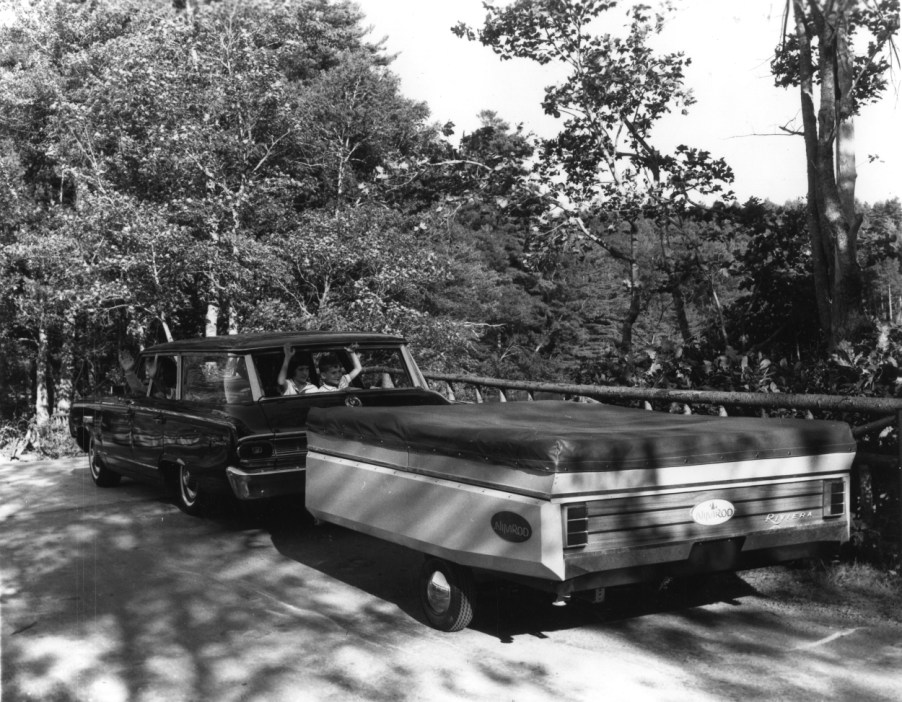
{"x":865,"y":580}
{"x":19,"y":441}
{"x":856,"y":589}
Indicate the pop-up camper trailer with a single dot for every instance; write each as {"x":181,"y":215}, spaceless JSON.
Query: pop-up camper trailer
{"x":572,"y":497}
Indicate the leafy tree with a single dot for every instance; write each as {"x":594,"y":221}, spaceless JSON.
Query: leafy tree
{"x":361,"y":268}
{"x":52,"y":276}
{"x":880,"y":239}
{"x":602,"y":175}
{"x":215,"y":118}
{"x":479,"y":225}
{"x":776,"y":310}
{"x":356,"y":121}
{"x":183,"y":143}
{"x":821,"y":51}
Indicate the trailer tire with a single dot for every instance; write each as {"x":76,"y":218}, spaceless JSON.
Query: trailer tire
{"x":100,"y":474}
{"x":446,"y":594}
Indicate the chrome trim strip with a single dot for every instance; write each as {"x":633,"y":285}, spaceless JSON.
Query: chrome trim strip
{"x":271,"y":436}
{"x":238,"y":473}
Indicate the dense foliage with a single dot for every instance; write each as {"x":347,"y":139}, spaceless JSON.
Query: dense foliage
{"x":249,"y":166}
{"x":174,"y":169}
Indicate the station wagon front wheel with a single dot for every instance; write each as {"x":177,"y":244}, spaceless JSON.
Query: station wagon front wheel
{"x":100,"y":474}
{"x":188,"y":494}
{"x":446,"y":594}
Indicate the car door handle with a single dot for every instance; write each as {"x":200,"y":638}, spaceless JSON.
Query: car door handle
{"x":159,"y":418}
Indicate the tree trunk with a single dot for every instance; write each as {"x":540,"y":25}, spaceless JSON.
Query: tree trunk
{"x":42,"y":365}
{"x":849,"y":317}
{"x":166,"y":330}
{"x":212,"y":320}
{"x":674,"y":283}
{"x":820,"y":253}
{"x":836,"y":203}
{"x":832,"y":220}
{"x":228,"y":317}
{"x":679,"y":309}
{"x":635,"y":308}
{"x":719,"y":308}
{"x":64,"y":386}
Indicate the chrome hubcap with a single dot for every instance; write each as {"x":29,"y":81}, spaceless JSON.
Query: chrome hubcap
{"x":438,"y":592}
{"x":189,"y":486}
{"x":92,"y":460}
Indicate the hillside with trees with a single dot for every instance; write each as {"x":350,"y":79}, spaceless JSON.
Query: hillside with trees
{"x":173,"y":169}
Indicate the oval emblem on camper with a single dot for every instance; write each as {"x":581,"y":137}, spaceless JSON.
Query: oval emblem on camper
{"x":713,"y":512}
{"x":511,"y":527}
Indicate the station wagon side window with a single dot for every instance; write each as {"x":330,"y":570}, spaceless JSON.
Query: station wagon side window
{"x":154,"y":376}
{"x":383,"y":368}
{"x":267,"y":365}
{"x":164,"y":383}
{"x":215,"y":379}
{"x":139,"y":381}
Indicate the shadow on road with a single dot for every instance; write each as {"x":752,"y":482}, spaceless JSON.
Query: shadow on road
{"x":116,"y":595}
{"x":503,"y":609}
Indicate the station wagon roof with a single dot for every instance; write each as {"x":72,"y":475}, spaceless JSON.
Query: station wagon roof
{"x":243,"y":343}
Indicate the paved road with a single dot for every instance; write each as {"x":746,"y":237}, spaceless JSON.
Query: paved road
{"x":114,"y":595}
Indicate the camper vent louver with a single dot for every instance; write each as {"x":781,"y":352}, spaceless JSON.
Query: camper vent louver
{"x":576,"y":519}
{"x":834,"y":498}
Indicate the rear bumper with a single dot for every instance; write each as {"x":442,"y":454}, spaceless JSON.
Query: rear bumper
{"x":265,"y":484}
{"x":626,"y":566}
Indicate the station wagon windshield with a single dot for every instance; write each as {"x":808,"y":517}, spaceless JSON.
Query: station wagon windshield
{"x":381,"y":368}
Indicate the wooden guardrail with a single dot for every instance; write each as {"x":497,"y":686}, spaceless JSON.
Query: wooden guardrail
{"x":887,"y":412}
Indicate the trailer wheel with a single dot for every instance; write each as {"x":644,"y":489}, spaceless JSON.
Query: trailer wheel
{"x":100,"y":474}
{"x":446,"y":594}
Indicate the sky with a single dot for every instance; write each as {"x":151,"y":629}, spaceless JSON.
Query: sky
{"x":737,"y":116}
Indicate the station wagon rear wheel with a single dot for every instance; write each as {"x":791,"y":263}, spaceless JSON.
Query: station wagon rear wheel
{"x":100,"y":474}
{"x":446,"y":594}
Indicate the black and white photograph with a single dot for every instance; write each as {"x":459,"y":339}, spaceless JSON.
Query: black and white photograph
{"x":450,"y":350}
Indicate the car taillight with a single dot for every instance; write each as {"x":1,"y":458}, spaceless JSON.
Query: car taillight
{"x":834,"y":498}
{"x":576,"y":521}
{"x":255,"y":450}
